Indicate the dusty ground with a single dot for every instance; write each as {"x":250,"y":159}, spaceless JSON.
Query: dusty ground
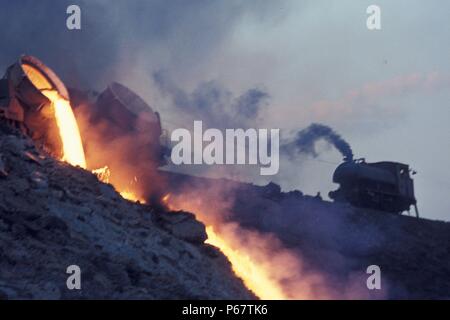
{"x":53,"y":215}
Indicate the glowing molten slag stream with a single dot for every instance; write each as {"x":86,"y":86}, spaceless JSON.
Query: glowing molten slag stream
{"x":69,"y":133}
{"x":255,"y":278}
{"x":73,"y":151}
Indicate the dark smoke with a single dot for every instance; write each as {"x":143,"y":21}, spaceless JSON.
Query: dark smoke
{"x":305,"y":140}
{"x":211,"y":102}
{"x":249,"y":104}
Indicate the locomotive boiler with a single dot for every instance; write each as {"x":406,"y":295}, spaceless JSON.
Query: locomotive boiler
{"x":384,"y":186}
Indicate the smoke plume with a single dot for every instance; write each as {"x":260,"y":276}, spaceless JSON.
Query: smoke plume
{"x":306,"y":139}
{"x":212,"y":103}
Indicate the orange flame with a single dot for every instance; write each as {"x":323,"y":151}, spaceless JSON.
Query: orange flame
{"x":130,"y":195}
{"x":129,"y":192}
{"x":102,"y":174}
{"x":166,"y":198}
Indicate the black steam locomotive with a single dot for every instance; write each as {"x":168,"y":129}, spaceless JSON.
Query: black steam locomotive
{"x":384,"y":186}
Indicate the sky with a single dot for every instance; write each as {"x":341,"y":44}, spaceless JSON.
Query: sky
{"x":386,"y":92}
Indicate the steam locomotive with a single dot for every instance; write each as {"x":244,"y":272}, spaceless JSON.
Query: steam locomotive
{"x":384,"y":186}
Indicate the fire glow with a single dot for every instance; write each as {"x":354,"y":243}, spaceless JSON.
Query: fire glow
{"x":267,"y":269}
{"x":255,"y":278}
{"x":254,"y":259}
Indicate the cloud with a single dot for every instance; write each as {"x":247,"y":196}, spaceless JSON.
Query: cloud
{"x":374,"y":102}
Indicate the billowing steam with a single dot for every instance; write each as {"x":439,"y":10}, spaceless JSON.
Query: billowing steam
{"x":305,"y":140}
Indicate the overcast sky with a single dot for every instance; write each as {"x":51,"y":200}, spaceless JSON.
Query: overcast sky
{"x":386,"y":92}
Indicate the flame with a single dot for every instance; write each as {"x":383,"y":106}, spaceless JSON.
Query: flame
{"x":129,"y":192}
{"x":166,"y":198}
{"x":130,"y":195}
{"x":102,"y":174}
{"x":255,"y":278}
